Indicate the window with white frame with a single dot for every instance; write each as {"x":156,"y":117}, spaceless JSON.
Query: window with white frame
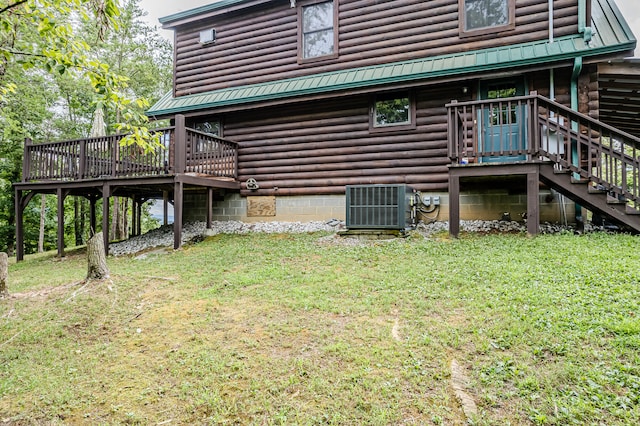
{"x":317,"y":25}
{"x":486,"y":16}
{"x":395,"y":110}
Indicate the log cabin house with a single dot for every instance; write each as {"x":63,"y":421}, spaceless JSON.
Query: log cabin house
{"x":279,"y":107}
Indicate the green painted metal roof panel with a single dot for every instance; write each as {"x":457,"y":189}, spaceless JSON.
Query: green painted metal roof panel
{"x":612,"y":35}
{"x":609,"y":24}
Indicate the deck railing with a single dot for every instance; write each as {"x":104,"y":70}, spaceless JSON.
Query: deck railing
{"x":210,"y":155}
{"x":534,"y":128}
{"x":180,"y":151}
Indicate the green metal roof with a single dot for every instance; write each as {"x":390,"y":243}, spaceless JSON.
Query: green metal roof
{"x":612,"y":35}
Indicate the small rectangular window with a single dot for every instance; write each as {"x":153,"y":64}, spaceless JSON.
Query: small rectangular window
{"x":212,"y":127}
{"x":207,"y":36}
{"x":393,"y":110}
{"x":486,"y":16}
{"x":204,"y":144}
{"x":318,"y":30}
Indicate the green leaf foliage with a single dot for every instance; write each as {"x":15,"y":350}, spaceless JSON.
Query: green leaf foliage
{"x":47,"y":35}
{"x":59,"y":60}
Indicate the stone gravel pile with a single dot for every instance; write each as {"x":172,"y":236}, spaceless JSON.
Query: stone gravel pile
{"x":196,"y":231}
{"x":500,"y":227}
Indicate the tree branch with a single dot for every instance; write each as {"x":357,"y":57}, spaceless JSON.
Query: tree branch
{"x":11,"y":6}
{"x":20,"y":53}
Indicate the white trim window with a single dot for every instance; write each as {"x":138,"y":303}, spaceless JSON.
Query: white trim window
{"x":486,"y":16}
{"x":318,"y":30}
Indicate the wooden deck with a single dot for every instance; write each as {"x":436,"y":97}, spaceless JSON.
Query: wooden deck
{"x":592,"y":163}
{"x":99,"y":168}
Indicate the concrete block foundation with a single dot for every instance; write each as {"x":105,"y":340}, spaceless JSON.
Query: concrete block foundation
{"x":475,"y":205}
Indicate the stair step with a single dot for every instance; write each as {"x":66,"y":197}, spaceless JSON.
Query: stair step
{"x":631,"y":211}
{"x":595,"y":190}
{"x":561,"y":171}
{"x":615,"y":200}
{"x":579,"y":181}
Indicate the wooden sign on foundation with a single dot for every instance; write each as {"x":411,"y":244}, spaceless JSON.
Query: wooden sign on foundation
{"x":261,"y":206}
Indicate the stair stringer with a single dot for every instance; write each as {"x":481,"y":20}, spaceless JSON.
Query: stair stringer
{"x":579,"y":193}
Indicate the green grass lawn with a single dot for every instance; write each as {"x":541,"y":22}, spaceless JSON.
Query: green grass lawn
{"x":299,"y":329}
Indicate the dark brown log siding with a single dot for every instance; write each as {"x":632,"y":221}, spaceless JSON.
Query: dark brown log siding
{"x":321,"y":146}
{"x":262,"y":45}
{"x":587,"y":88}
{"x":318,"y":148}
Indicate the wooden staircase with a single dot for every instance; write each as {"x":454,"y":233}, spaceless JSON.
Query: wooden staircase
{"x":590,"y":162}
{"x":593,"y":197}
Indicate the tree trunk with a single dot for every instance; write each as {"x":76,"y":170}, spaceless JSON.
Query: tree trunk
{"x":43,"y":209}
{"x":97,"y":258}
{"x":118,"y":212}
{"x":125,"y":219}
{"x":4,"y":274}
{"x":76,"y":221}
{"x":114,"y":219}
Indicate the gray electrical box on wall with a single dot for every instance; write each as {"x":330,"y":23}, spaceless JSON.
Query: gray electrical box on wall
{"x":379,"y":206}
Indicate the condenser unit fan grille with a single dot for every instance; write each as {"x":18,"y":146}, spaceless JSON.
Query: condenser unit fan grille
{"x":378,"y":206}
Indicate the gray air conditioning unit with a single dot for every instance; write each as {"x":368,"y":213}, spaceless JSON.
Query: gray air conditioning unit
{"x":380,"y":206}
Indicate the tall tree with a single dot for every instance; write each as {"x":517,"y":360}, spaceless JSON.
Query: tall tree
{"x":21,"y":115}
{"x":56,"y":62}
{"x":136,"y":50}
{"x":43,"y":34}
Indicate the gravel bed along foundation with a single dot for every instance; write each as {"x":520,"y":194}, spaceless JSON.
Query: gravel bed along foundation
{"x":195,"y":231}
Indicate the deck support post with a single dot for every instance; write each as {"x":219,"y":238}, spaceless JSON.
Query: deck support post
{"x":209,"y":207}
{"x":530,"y":172}
{"x":21,"y":201}
{"x":177,"y":214}
{"x":139,"y":218}
{"x":61,"y":195}
{"x":180,"y":151}
{"x":165,"y":201}
{"x":106,"y":194}
{"x":454,"y":205}
{"x":134,"y":216}
{"x":19,"y":226}
{"x":533,"y":202}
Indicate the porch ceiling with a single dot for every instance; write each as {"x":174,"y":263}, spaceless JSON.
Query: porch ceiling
{"x":619,"y":88}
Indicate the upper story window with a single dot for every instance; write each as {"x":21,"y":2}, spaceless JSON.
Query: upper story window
{"x":393,"y":111}
{"x":207,"y":36}
{"x":318,"y":29}
{"x":486,"y":16}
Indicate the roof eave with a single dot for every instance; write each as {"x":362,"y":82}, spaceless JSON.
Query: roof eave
{"x":207,"y":11}
{"x":422,"y":76}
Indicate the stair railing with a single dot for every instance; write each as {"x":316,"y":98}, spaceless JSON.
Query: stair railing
{"x":606,"y":156}
{"x":534,"y":128}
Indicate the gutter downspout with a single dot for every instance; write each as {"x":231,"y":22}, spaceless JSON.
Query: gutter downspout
{"x":587,"y":33}
{"x":552,"y":83}
{"x":552,"y":96}
{"x":575,"y":155}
